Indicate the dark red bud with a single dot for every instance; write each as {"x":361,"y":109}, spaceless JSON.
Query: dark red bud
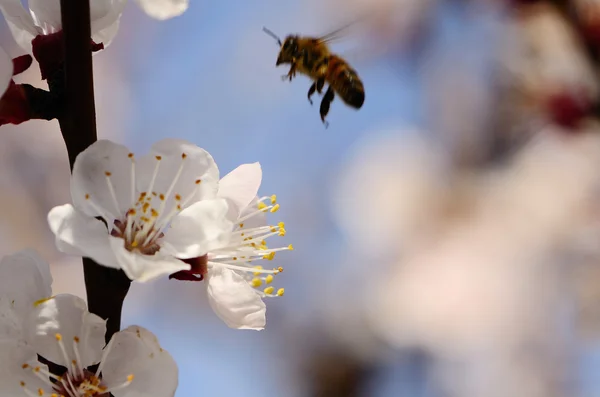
{"x":196,"y":273}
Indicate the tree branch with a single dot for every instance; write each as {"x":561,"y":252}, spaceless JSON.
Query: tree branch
{"x":106,"y":288}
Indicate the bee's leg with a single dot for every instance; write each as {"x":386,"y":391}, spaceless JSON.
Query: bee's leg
{"x":311,"y":91}
{"x":291,"y":74}
{"x":325,"y":103}
{"x":320,"y":84}
{"x":317,"y":86}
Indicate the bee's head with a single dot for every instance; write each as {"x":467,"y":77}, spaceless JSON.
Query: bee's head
{"x":289,"y":50}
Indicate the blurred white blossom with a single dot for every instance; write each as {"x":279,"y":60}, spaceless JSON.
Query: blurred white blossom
{"x":44,"y":17}
{"x":60,"y":329}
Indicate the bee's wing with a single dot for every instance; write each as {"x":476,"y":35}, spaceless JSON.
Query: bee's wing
{"x":340,"y":32}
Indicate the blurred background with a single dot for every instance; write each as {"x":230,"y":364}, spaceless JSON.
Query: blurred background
{"x":447,"y":234}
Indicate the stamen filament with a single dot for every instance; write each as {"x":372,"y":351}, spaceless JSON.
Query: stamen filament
{"x":103,"y":358}
{"x":250,"y":215}
{"x":132,"y":180}
{"x":121,"y":386}
{"x":243,"y":268}
{"x":37,"y":371}
{"x":78,"y":364}
{"x":154,"y":174}
{"x":111,"y":189}
{"x":63,"y":351}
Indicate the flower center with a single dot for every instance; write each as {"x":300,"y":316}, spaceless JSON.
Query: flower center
{"x":150,"y":212}
{"x":77,"y":381}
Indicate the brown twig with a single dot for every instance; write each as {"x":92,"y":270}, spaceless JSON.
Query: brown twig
{"x":106,"y":288}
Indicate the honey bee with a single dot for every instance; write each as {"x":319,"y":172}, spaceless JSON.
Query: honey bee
{"x":311,"y":56}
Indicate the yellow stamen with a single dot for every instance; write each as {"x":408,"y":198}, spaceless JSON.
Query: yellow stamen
{"x":256,"y":282}
{"x":275,"y":208}
{"x":269,"y":290}
{"x":280,"y":291}
{"x":269,"y":279}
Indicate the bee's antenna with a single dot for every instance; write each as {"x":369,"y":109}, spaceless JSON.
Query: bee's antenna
{"x":273,"y":35}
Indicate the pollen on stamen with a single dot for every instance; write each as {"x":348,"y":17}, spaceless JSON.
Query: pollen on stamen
{"x":269,"y":279}
{"x":40,"y":392}
{"x":107,"y":173}
{"x":269,"y":290}
{"x":22,"y":384}
{"x":161,"y":197}
{"x":130,"y":155}
{"x":87,"y":196}
{"x":262,"y":206}
{"x":198,"y":181}
{"x":280,"y":291}
{"x":158,"y":157}
{"x":273,"y":199}
{"x":58,"y":337}
{"x":290,"y":247}
{"x":256,"y":282}
{"x":258,"y":268}
{"x":25,"y":366}
{"x":275,"y":208}
{"x":178,"y":197}
{"x":76,"y":339}
{"x":241,"y":225}
{"x":130,"y":378}
{"x":183,"y":155}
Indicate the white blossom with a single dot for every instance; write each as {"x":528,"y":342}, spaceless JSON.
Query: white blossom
{"x":61,"y":330}
{"x":235,"y":286}
{"x":159,"y":209}
{"x":44,"y":17}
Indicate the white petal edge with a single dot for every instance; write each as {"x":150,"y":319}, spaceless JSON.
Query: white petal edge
{"x":46,"y":14}
{"x":163,"y":9}
{"x":143,"y":268}
{"x":6,"y":71}
{"x":90,"y":178}
{"x":198,"y":229}
{"x":241,"y":185}
{"x":24,"y":279}
{"x":136,"y":351}
{"x":66,"y":315}
{"x":78,"y":234}
{"x":20,"y":23}
{"x":234,"y":300}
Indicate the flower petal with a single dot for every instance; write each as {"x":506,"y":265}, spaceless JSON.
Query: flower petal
{"x":78,"y":234}
{"x":103,"y":165}
{"x":105,"y":16}
{"x":24,"y":279}
{"x":14,"y":355}
{"x":163,"y":9}
{"x":198,"y":229}
{"x":241,"y":185}
{"x":6,"y":71}
{"x":46,"y":14}
{"x":136,"y":351}
{"x":198,"y":165}
{"x":142,"y":268}
{"x":11,"y":324}
{"x":234,"y":300}
{"x":20,"y":23}
{"x":65,"y":317}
